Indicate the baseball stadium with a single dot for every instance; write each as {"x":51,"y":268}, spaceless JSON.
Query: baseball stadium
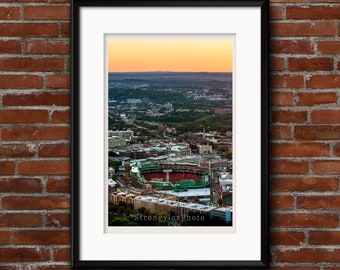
{"x":167,"y":175}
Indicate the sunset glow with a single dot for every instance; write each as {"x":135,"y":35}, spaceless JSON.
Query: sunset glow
{"x":170,"y":55}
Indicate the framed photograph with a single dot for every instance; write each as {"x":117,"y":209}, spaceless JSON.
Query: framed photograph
{"x":169,"y":134}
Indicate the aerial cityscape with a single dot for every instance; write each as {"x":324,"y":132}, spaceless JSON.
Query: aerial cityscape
{"x":169,"y":144}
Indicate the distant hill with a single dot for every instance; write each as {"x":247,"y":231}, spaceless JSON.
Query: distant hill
{"x":157,"y":75}
{"x":164,"y":78}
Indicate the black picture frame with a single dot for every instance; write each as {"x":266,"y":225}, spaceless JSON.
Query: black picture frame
{"x":77,"y":136}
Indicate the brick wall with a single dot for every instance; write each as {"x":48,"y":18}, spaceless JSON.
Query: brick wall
{"x":34,"y":130}
{"x":305,"y":134}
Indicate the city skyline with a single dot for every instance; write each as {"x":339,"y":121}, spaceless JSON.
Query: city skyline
{"x":170,"y":55}
{"x":170,"y":130}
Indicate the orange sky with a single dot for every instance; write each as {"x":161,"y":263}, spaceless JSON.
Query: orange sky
{"x":170,"y":55}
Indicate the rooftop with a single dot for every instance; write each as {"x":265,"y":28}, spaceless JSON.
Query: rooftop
{"x":193,"y":206}
{"x":188,"y":193}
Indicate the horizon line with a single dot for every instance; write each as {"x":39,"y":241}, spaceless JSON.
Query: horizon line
{"x":157,"y":71}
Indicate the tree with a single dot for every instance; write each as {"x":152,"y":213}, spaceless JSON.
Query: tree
{"x":122,"y":221}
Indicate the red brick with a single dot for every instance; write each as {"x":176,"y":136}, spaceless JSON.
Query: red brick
{"x":47,"y":47}
{"x":310,"y":99}
{"x":23,"y":116}
{"x":58,"y":81}
{"x":288,"y":167}
{"x":17,"y":150}
{"x":58,"y":185}
{"x":326,"y":166}
{"x":37,"y":99}
{"x":303,"y":184}
{"x":24,"y":254}
{"x":324,"y":237}
{"x":317,"y":132}
{"x":35,"y":203}
{"x":291,"y":47}
{"x":10,"y":46}
{"x":332,"y":267}
{"x":326,"y":117}
{"x":280,"y":133}
{"x":61,"y":117}
{"x":65,"y":29}
{"x":9,"y":13}
{"x":62,"y":254}
{"x":311,"y":64}
{"x":20,"y":185}
{"x":313,"y":12}
{"x":281,"y":202}
{"x":44,"y":167}
{"x":42,"y":237}
{"x":32,"y":1}
{"x":302,"y":220}
{"x":68,"y":64}
{"x":276,"y":13}
{"x":5,"y":237}
{"x":323,"y":81}
{"x":286,"y":81}
{"x":287,"y":238}
{"x":281,"y":98}
{"x":28,"y":29}
{"x":277,"y":64}
{"x":7,"y":167}
{"x":336,"y":149}
{"x":47,"y":12}
{"x":58,"y":220}
{"x":299,"y":149}
{"x":20,"y":81}
{"x":284,"y":116}
{"x":308,"y":255}
{"x":20,"y":220}
{"x":327,"y":46}
{"x":35,"y":133}
{"x":32,"y":64}
{"x":54,"y":150}
{"x":303,"y":29}
{"x":318,"y":202}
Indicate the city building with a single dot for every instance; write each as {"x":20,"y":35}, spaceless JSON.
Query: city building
{"x":179,"y":151}
{"x":189,"y":194}
{"x":134,"y":101}
{"x":223,"y":213}
{"x":223,"y":111}
{"x":204,"y":149}
{"x":124,"y":134}
{"x":154,"y":204}
{"x":116,"y":141}
{"x":116,"y":198}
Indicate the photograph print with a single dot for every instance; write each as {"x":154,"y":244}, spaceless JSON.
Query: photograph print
{"x":170,"y":129}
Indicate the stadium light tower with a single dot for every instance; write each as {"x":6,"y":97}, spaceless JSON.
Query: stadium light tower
{"x":167,"y":174}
